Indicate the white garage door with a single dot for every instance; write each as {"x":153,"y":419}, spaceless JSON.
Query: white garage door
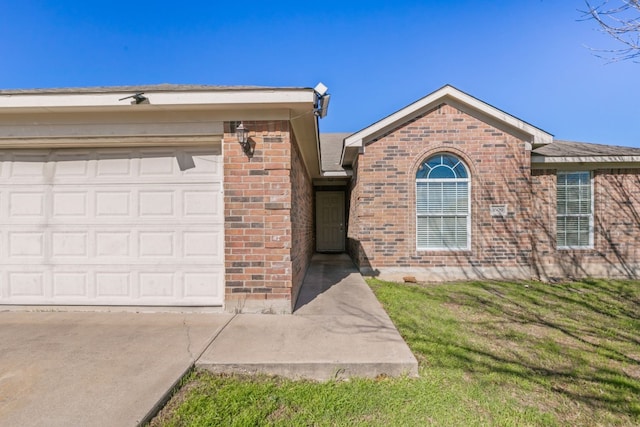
{"x":112,"y":227}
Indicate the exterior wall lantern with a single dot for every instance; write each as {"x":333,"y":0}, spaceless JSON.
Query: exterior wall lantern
{"x":242,"y":133}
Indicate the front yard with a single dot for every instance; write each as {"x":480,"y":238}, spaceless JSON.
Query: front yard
{"x":490,"y":353}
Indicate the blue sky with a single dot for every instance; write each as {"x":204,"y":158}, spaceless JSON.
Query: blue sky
{"x":527,"y":57}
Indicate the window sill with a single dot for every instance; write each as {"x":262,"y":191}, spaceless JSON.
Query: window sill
{"x":443,"y":251}
{"x":575,"y":248}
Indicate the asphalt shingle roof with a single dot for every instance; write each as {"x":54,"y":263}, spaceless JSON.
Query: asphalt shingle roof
{"x":559,"y":148}
{"x":331,"y":151}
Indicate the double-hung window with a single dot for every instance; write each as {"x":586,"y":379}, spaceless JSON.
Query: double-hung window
{"x":443,"y":204}
{"x":575,"y":210}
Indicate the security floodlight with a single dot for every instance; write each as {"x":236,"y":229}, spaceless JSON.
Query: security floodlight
{"x":321,"y":89}
{"x":323,"y":106}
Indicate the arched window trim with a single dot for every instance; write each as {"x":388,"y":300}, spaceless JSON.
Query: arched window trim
{"x":443,"y":204}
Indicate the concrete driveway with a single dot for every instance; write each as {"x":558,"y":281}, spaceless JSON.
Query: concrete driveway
{"x":98,"y":369}
{"x":114,"y":369}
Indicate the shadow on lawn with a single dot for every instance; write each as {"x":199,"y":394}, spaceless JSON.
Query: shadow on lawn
{"x":577,"y":341}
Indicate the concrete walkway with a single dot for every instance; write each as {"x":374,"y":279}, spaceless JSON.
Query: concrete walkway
{"x":338,"y":330}
{"x":116,"y":369}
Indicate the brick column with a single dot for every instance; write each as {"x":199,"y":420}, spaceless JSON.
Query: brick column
{"x":258,"y":220}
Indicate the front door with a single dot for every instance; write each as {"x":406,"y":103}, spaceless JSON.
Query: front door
{"x":330,"y":234}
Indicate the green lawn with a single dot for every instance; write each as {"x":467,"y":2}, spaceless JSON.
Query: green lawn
{"x":490,"y":353}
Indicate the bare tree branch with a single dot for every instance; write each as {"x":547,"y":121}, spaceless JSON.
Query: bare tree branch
{"x":621,"y":21}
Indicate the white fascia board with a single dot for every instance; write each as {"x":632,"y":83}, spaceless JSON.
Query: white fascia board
{"x":586,"y":159}
{"x":436,"y":98}
{"x":186,"y":98}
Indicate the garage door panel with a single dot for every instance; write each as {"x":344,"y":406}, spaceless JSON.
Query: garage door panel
{"x":26,"y":203}
{"x":28,"y":285}
{"x":114,"y":164}
{"x":155,"y":244}
{"x":204,"y":164}
{"x":197,"y":285}
{"x":103,"y":227}
{"x":109,"y":165}
{"x":66,"y":244}
{"x":113,"y":285}
{"x":159,"y":164}
{"x":158,"y":285}
{"x":133,"y":286}
{"x":30,"y":165}
{"x":111,"y":204}
{"x":26,"y":244}
{"x":113,"y":244}
{"x":70,"y":163}
{"x":68,"y":203}
{"x":69,"y":285}
{"x":202,"y":203}
{"x":156,"y":202}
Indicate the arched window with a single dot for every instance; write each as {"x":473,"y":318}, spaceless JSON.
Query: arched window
{"x":443,"y":206}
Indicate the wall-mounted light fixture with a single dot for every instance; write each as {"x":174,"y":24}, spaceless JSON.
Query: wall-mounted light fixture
{"x":242,"y":133}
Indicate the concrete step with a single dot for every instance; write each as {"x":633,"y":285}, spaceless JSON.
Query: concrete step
{"x":339,"y":331}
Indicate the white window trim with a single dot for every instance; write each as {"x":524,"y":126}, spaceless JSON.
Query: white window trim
{"x":591,"y":216}
{"x":468,"y":181}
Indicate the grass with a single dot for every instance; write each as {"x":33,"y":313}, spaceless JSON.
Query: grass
{"x":490,"y":353}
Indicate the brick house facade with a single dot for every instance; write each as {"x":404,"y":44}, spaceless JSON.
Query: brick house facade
{"x":513,"y":168}
{"x":384,"y":206}
{"x":145,"y":196}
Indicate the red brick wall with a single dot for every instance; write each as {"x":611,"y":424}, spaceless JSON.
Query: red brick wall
{"x":522,"y":245}
{"x":260,"y":273}
{"x":543,"y":222}
{"x":302,"y":221}
{"x":382,"y":220}
{"x":616,"y":251}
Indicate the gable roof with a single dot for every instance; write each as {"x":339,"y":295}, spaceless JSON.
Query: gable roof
{"x":449,"y":95}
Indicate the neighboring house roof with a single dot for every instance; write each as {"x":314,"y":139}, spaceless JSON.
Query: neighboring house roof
{"x":582,"y":152}
{"x":331,"y":153}
{"x":449,"y":95}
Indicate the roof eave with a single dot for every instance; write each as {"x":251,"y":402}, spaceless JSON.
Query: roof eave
{"x":539,"y":161}
{"x":118,"y":99}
